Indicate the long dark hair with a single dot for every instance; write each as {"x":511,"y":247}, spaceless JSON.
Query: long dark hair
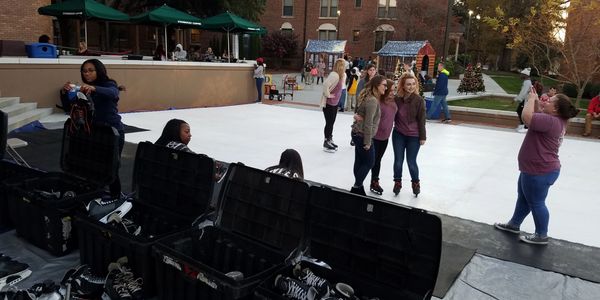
{"x":371,"y":65}
{"x":291,"y":160}
{"x":564,"y":107}
{"x":101,"y":74}
{"x":171,"y":132}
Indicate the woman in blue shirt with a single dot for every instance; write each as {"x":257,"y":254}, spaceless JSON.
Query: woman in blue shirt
{"x":104,"y":92}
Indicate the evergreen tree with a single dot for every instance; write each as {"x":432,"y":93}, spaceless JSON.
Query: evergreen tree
{"x":472,"y":81}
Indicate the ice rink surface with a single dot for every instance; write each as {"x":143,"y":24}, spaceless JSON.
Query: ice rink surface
{"x":466,"y":171}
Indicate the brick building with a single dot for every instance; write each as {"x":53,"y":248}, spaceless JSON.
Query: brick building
{"x":365,"y":24}
{"x":17,"y":22}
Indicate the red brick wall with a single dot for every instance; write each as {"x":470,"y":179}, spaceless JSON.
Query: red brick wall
{"x":352,"y":18}
{"x":19,"y":20}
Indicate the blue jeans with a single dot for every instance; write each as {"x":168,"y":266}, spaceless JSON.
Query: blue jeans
{"x":437,"y":100}
{"x":363,"y":159}
{"x":532,"y":191}
{"x":259,"y":83}
{"x":411,"y":145}
{"x":342,"y":103}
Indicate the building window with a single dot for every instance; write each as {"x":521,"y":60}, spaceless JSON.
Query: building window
{"x":358,"y":3}
{"x":286,"y":28}
{"x":386,"y":9}
{"x":327,"y":31}
{"x":329,"y":8}
{"x":327,"y":35}
{"x":380,"y":39}
{"x":288,"y":8}
{"x":383,"y":33}
{"x":355,"y":35}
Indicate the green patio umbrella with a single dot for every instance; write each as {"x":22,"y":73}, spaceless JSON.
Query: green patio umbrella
{"x":83,"y":9}
{"x":166,"y":15}
{"x":229,"y":22}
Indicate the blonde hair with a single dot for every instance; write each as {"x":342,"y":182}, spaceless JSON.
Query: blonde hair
{"x":340,"y":67}
{"x":403,"y":78}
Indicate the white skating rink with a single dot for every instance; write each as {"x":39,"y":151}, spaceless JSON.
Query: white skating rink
{"x":466,"y":171}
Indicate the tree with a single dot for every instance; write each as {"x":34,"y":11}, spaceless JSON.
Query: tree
{"x":573,"y":58}
{"x":483,"y":39}
{"x":280,"y":44}
{"x":472,"y":81}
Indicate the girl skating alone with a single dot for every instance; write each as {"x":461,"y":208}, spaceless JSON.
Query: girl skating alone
{"x":332,"y":90}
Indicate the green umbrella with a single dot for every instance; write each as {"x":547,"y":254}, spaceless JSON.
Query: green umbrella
{"x":166,"y":15}
{"x":86,"y":9}
{"x":229,"y":22}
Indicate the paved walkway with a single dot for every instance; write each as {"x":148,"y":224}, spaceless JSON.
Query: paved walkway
{"x":311,"y":94}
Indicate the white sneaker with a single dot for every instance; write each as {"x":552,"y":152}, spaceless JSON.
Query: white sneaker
{"x":521,"y":129}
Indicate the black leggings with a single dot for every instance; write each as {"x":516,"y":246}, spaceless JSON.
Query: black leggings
{"x":380,"y":147}
{"x":115,"y":186}
{"x":330,"y":112}
{"x":520,"y":111}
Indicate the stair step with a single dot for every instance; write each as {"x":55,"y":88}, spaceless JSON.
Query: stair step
{"x":28,"y":117}
{"x":8,"y":101}
{"x":19,"y":108}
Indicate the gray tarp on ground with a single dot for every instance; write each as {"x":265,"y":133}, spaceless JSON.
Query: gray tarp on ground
{"x":43,"y":265}
{"x":489,"y":278}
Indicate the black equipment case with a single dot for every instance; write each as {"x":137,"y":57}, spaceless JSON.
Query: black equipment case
{"x":45,"y":206}
{"x":11,"y":175}
{"x":172,"y":189}
{"x":381,"y":249}
{"x":259,"y":226}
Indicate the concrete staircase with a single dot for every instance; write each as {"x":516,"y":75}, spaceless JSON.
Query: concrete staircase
{"x":20,"y":114}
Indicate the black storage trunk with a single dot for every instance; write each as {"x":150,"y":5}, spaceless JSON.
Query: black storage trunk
{"x":172,"y":189}
{"x":260,"y":224}
{"x":11,"y":174}
{"x":381,"y":249}
{"x":89,"y":162}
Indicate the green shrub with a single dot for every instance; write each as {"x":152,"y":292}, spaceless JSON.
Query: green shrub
{"x":570,"y":90}
{"x":591,"y":90}
{"x":450,"y":66}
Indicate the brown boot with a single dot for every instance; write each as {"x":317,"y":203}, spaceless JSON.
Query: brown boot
{"x":588,"y":125}
{"x":416,"y":187}
{"x":375,"y":187}
{"x":397,"y":186}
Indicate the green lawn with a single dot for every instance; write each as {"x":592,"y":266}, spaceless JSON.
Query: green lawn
{"x":486,"y":102}
{"x":511,"y":82}
{"x":499,"y":103}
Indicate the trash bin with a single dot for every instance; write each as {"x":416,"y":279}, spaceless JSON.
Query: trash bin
{"x":41,"y":50}
{"x":436,"y":110}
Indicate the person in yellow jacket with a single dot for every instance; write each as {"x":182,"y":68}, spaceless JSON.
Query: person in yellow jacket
{"x":352,"y":88}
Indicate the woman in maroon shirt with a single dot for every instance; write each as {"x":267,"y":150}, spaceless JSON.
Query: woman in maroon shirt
{"x":539,"y":163}
{"x":409,"y":131}
{"x":380,"y":140}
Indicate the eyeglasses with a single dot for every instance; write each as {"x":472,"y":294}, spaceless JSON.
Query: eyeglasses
{"x":88,"y":70}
